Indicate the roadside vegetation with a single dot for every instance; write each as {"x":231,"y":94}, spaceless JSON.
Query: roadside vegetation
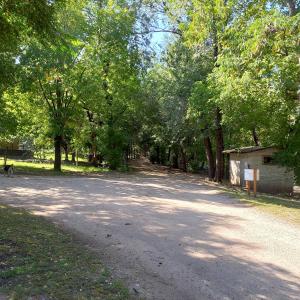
{"x":82,"y":78}
{"x":286,"y":208}
{"x":85,"y":79}
{"x":46,"y":168}
{"x":41,"y":261}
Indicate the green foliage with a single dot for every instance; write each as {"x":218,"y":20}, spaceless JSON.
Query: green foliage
{"x":113,"y":146}
{"x":169,"y":131}
{"x":20,"y":20}
{"x":46,"y":168}
{"x":109,"y":71}
{"x":255,"y":79}
{"x":258,"y":79}
{"x":82,"y":73}
{"x":290,"y":155}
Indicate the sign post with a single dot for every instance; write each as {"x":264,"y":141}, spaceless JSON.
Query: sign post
{"x":248,"y":187}
{"x":254,"y":181}
{"x":251,"y":175}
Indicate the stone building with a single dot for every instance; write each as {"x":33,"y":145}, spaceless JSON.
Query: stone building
{"x":273,"y":178}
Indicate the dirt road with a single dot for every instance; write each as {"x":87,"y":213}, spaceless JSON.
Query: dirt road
{"x":169,"y":237}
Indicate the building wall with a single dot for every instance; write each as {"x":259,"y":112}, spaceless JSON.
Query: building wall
{"x":234,"y":169}
{"x":273,"y":178}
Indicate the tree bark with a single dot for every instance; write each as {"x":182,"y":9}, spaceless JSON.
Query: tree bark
{"x":169,"y":156}
{"x":73,"y":157}
{"x":183,"y":160}
{"x":219,"y":173}
{"x":292,"y":7}
{"x":219,"y":147}
{"x":202,"y":165}
{"x":66,"y":149}
{"x":57,"y":149}
{"x":175,"y":159}
{"x":94,"y":148}
{"x":210,"y":157}
{"x":158,"y":155}
{"x":255,"y":137}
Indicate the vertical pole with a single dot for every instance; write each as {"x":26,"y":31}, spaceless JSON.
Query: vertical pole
{"x":248,"y":187}
{"x":76,"y":158}
{"x":5,"y":156}
{"x":254,"y":181}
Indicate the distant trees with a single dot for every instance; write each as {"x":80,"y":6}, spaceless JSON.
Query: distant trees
{"x":168,"y":87}
{"x":85,"y":79}
{"x":110,"y":81}
{"x":248,"y":95}
{"x":48,"y":73}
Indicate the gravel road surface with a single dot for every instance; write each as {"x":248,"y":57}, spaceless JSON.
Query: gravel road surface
{"x":170,"y":236}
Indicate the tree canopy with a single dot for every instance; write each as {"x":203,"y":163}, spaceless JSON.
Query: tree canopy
{"x":81,"y":76}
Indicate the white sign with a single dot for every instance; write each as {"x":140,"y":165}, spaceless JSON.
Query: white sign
{"x":249,"y":174}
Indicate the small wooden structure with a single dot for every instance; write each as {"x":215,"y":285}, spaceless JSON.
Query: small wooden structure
{"x":14,"y":145}
{"x":273,"y":179}
{"x":14,"y":150}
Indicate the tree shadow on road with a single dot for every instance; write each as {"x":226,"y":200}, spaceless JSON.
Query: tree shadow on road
{"x":179,"y":230}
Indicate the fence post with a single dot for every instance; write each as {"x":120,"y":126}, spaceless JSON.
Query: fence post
{"x":255,"y":181}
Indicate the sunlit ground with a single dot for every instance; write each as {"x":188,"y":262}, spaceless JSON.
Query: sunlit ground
{"x":186,"y":232}
{"x":42,"y":168}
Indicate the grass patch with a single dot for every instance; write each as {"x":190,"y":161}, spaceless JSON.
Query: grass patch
{"x":288,"y":209}
{"x":38,"y":259}
{"x":42,"y":168}
{"x":49,"y":154}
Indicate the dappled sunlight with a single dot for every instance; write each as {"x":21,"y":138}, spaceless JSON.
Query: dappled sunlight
{"x":170,"y":226}
{"x":48,"y":211}
{"x":200,"y":254}
{"x":154,"y":229}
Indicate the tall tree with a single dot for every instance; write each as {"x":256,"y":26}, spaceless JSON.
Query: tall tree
{"x":49,"y":72}
{"x":204,"y":26}
{"x":20,"y":20}
{"x":258,"y":75}
{"x":110,"y":70}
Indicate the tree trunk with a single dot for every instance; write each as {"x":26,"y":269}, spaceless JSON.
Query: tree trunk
{"x":169,"y":156}
{"x":255,"y":137}
{"x":5,"y":156}
{"x":202,"y":166}
{"x":184,"y":160}
{"x":292,"y":7}
{"x":219,"y":147}
{"x":94,"y":148}
{"x":158,"y":154}
{"x":66,"y":149}
{"x":73,"y":157}
{"x":57,"y":149}
{"x":219,"y":174}
{"x":175,"y":159}
{"x":210,"y":158}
